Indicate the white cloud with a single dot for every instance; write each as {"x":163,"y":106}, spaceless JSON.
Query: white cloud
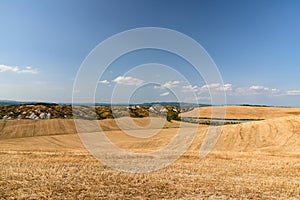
{"x":259,"y":87}
{"x":190,"y":88}
{"x":262,"y":90}
{"x":16,"y":69}
{"x":228,"y":87}
{"x":293,"y":92}
{"x":275,"y":91}
{"x":217,"y":87}
{"x":28,"y":71}
{"x":4,"y":68}
{"x":210,"y":86}
{"x":256,"y":90}
{"x":164,"y":94}
{"x":104,"y":82}
{"x":128,"y":80}
{"x":169,"y":84}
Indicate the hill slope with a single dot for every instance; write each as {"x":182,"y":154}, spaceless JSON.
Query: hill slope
{"x":29,"y":128}
{"x":243,"y":112}
{"x":280,"y":135}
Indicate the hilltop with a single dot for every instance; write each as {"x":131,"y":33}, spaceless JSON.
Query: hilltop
{"x":55,"y":111}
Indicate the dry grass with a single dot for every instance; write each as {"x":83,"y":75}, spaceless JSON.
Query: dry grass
{"x":256,"y":160}
{"x":67,"y":174}
{"x":243,"y":112}
{"x":29,"y":128}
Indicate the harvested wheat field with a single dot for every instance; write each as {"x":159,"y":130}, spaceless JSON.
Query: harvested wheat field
{"x":242,"y":112}
{"x":255,"y":160}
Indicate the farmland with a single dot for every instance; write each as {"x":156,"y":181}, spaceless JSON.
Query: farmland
{"x":258,"y":160}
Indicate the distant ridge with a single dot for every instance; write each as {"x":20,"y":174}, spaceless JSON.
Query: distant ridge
{"x":16,"y":103}
{"x":177,"y":104}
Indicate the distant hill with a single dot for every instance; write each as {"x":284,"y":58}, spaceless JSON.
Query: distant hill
{"x":16,"y":103}
{"x":11,"y":103}
{"x":177,"y":104}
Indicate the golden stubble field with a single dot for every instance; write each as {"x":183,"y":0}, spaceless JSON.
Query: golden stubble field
{"x":243,"y":112}
{"x":255,"y":160}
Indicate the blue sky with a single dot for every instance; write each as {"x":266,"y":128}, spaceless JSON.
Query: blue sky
{"x":255,"y":45}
